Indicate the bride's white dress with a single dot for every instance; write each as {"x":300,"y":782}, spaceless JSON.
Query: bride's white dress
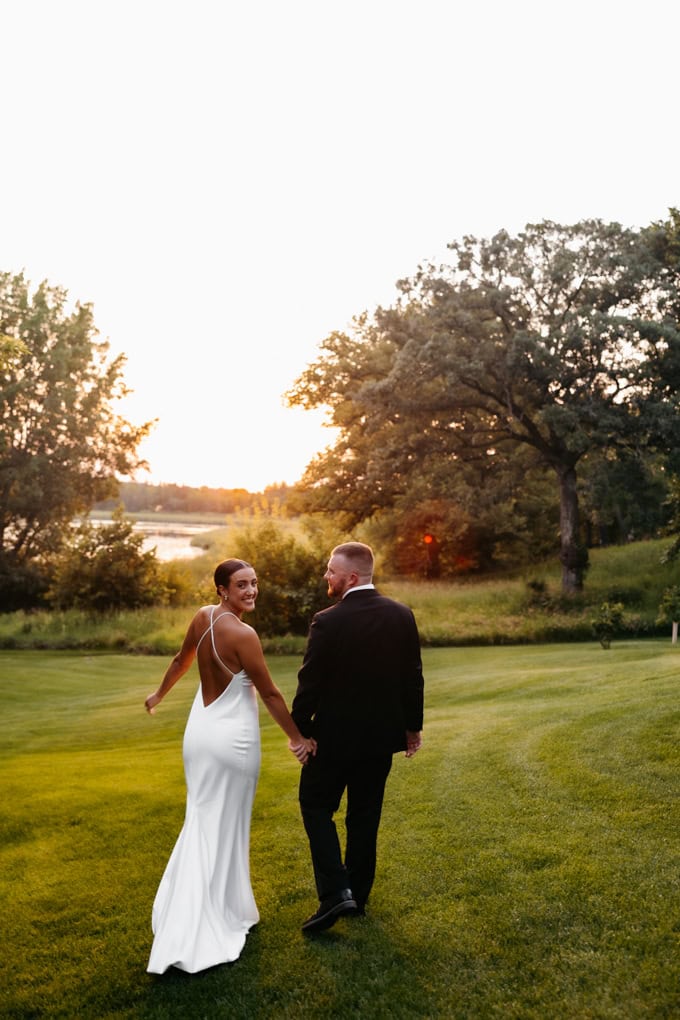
{"x":205,"y":906}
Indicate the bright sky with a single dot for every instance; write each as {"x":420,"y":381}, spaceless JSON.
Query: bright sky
{"x":228,"y":181}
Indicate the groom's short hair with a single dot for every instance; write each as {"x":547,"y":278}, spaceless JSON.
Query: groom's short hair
{"x":359,"y":556}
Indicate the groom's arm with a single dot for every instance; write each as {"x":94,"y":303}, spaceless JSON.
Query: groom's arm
{"x":413,"y":685}
{"x":310,"y":677}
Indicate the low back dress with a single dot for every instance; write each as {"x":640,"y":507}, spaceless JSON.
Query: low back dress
{"x":205,"y":906}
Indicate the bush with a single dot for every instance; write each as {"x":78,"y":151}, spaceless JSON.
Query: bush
{"x":104,"y":568}
{"x":608,"y":622}
{"x":22,"y":584}
{"x":669,"y":609}
{"x":178,"y":582}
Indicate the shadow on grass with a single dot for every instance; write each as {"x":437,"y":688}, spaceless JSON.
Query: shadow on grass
{"x":353,"y":970}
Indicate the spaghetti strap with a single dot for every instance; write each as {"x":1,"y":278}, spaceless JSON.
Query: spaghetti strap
{"x":210,"y":628}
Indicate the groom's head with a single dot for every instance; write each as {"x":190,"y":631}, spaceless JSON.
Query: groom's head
{"x":350,"y":564}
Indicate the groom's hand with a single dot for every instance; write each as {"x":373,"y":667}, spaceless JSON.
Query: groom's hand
{"x":414,"y":741}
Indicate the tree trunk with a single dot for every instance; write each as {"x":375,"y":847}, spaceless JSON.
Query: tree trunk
{"x":573,"y":555}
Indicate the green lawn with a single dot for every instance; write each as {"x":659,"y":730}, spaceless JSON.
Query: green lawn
{"x":529,"y":859}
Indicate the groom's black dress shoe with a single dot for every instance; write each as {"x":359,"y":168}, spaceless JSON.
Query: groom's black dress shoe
{"x":329,"y":911}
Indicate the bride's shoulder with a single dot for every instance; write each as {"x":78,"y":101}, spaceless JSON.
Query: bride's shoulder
{"x":203,"y":615}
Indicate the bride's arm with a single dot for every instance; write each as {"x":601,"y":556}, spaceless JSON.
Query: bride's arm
{"x":252,"y":659}
{"x":177,"y":668}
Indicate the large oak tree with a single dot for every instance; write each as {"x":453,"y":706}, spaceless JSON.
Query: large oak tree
{"x":561,"y":341}
{"x":62,"y":444}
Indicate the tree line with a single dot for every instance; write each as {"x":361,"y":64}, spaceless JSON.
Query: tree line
{"x":519,"y":401}
{"x":138,"y":497}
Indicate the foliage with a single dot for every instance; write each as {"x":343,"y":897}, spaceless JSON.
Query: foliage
{"x":477,"y":528}
{"x":103,"y":568}
{"x":672,"y":553}
{"x":61,"y":443}
{"x":669,"y":608}
{"x":435,"y":538}
{"x":185,"y":499}
{"x":559,"y":342}
{"x":608,"y":622}
{"x":557,"y":857}
{"x":623,"y":497}
{"x":11,"y":350}
{"x":178,"y":583}
{"x":664,"y":239}
{"x":22,"y":585}
{"x":515,"y":609}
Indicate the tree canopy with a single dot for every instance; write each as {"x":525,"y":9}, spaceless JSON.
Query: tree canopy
{"x":561,"y":342}
{"x":62,"y":443}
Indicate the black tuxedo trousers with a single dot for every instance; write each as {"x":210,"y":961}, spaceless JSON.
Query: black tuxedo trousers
{"x":322,"y":784}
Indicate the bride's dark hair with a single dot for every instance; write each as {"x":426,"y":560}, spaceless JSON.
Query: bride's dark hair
{"x":224,"y":570}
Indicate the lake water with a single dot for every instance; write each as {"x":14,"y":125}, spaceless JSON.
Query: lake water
{"x":171,"y":541}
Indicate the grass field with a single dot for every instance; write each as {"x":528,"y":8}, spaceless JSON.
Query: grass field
{"x":529,"y":858}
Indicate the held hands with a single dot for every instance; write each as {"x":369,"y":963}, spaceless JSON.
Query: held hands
{"x":303,"y":749}
{"x":414,"y":741}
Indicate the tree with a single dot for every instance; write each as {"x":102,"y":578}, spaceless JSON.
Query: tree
{"x":103,"y":567}
{"x":623,"y":497}
{"x":672,"y":553}
{"x":484,"y":514}
{"x":61,"y":444}
{"x":560,"y":342}
{"x":669,"y":610}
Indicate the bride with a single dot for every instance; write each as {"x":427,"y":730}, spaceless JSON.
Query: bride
{"x":204,"y":906}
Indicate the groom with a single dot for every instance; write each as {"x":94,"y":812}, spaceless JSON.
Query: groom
{"x":360,"y":695}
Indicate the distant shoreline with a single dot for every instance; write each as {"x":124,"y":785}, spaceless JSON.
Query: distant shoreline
{"x":165,"y":516}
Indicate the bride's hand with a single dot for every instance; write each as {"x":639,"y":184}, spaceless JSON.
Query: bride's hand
{"x":303,"y":750}
{"x":299,"y":750}
{"x":151,"y":702}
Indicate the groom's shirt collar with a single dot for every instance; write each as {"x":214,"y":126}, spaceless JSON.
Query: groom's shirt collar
{"x":359,"y":587}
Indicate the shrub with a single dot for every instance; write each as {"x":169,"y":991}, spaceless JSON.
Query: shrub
{"x":22,"y":584}
{"x":104,"y":568}
{"x":608,"y":622}
{"x":178,"y":582}
{"x":669,"y":608}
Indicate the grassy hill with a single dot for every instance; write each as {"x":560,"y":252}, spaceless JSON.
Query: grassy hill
{"x":530,"y":607}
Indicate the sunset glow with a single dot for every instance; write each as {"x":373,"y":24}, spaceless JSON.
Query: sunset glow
{"x":227,"y":184}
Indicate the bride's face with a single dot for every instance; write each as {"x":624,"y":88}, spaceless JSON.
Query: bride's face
{"x":243,"y":589}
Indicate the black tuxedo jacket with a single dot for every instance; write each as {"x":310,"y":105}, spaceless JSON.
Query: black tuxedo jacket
{"x":360,"y":686}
